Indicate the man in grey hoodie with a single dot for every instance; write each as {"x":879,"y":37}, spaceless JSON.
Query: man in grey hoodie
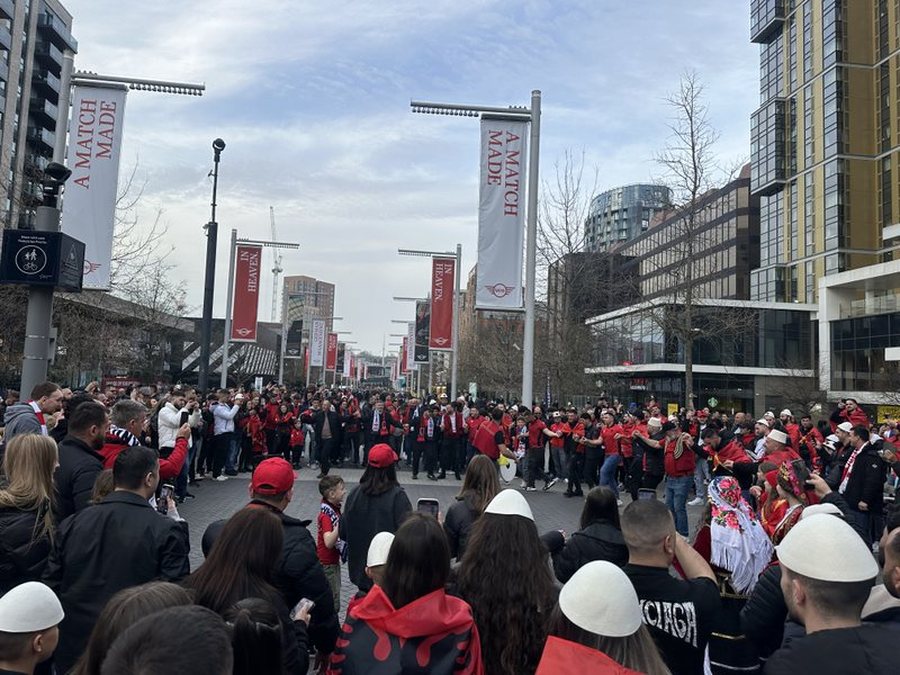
{"x":30,"y":417}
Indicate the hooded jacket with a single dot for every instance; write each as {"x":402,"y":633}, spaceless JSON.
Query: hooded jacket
{"x":435,"y":634}
{"x":20,"y":419}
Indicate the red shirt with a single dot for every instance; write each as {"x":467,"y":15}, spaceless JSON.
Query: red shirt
{"x":625,"y":441}
{"x":536,"y":434}
{"x":473,"y":423}
{"x":557,"y":427}
{"x":327,"y":556}
{"x":608,"y":434}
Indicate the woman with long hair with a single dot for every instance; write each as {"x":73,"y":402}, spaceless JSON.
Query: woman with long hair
{"x":410,"y":619}
{"x":600,"y":536}
{"x":505,"y":576}
{"x":479,"y":487}
{"x":241,"y":565}
{"x":597,"y":624}
{"x":255,"y":637}
{"x":377,"y":504}
{"x":784,"y":506}
{"x":26,"y":516}
{"x":124,"y":609}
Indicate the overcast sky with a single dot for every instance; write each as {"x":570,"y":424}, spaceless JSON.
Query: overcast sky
{"x":312,"y":99}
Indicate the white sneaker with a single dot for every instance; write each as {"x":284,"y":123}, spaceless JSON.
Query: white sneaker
{"x":696,"y":501}
{"x":222,"y":477}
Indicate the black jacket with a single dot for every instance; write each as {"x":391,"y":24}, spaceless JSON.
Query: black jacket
{"x":364,"y":517}
{"x":334,"y":421}
{"x":21,"y":559}
{"x":368,"y":418}
{"x":458,"y":523}
{"x":79,"y":466}
{"x":866,"y":482}
{"x":118,"y":543}
{"x":601,"y":540}
{"x":870,"y":649}
{"x":299,"y":575}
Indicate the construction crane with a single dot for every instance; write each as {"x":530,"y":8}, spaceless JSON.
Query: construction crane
{"x":277,"y":269}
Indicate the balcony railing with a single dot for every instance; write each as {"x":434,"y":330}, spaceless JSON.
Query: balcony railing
{"x":56,"y":31}
{"x":7,"y":10}
{"x":48,"y":55}
{"x":43,"y":112}
{"x":766,"y":19}
{"x":46,"y":83}
{"x":42,"y":139}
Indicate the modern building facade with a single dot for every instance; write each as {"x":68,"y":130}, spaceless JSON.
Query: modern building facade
{"x":622,"y":213}
{"x":34,"y":36}
{"x":711,"y":254}
{"x":747,"y":356}
{"x":304,"y":296}
{"x":825,"y":141}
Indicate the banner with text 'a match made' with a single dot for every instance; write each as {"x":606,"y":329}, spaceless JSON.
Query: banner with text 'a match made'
{"x":317,"y":343}
{"x":89,"y":215}
{"x":440,"y":335}
{"x":501,"y":214}
{"x":245,"y":300}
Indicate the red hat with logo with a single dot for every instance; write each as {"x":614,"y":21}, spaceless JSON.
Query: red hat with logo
{"x":273,"y":476}
{"x":381,"y":456}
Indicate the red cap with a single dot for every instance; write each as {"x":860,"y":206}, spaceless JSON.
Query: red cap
{"x":381,"y":456}
{"x":273,"y":476}
{"x":772,"y":477}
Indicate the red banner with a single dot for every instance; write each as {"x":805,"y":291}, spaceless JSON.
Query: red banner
{"x":404,"y":355}
{"x":245,"y":300}
{"x":442,"y":282}
{"x":331,"y":344}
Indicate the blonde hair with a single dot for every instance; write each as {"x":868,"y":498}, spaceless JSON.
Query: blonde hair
{"x":28,"y":464}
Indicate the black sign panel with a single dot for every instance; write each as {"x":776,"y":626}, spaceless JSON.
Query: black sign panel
{"x":42,"y":259}
{"x":293,"y":348}
{"x":423,"y":331}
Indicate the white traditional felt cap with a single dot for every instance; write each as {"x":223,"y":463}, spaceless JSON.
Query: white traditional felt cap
{"x":379,"y":549}
{"x":654,"y":422}
{"x":510,"y":503}
{"x":778,"y":436}
{"x":600,"y":598}
{"x":769,"y":413}
{"x":827,"y":549}
{"x":845,"y":426}
{"x":29,"y":608}
{"x":763,"y":421}
{"x":786,"y":413}
{"x":819,"y":509}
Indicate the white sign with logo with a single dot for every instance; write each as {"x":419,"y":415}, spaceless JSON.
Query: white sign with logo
{"x":317,"y":343}
{"x":89,"y":201}
{"x":501,"y":214}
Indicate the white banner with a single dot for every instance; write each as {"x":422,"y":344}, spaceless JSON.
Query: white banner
{"x":501,"y":214}
{"x":89,"y":204}
{"x":317,"y":343}
{"x":411,"y":346}
{"x":348,"y":357}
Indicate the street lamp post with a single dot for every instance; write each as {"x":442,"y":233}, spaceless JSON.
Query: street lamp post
{"x":235,"y":242}
{"x":532,"y":115}
{"x":212,"y":240}
{"x":454,"y":372}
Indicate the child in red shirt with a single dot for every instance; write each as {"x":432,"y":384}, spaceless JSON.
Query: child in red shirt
{"x":330,"y":547}
{"x":297,"y":439}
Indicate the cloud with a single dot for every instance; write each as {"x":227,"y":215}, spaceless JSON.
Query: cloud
{"x":312,"y":100}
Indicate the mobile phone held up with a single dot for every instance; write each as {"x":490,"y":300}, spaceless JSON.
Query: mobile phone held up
{"x":162,"y":502}
{"x":304,"y":604}
{"x":429,"y":506}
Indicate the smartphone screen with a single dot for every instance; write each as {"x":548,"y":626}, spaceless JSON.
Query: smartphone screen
{"x":429,"y":506}
{"x":299,"y":607}
{"x":162,"y":503}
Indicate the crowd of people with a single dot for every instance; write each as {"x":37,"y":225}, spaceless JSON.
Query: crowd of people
{"x":792,"y":567}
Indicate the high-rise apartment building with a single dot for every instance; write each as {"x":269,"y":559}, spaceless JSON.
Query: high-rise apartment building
{"x":304,"y":296}
{"x":34,"y":35}
{"x":825,"y":141}
{"x":622,"y":213}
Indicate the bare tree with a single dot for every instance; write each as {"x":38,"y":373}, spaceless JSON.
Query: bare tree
{"x":690,"y":165}
{"x":573,"y":282}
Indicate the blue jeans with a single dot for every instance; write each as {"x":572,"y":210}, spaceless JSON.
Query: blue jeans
{"x":608,"y":473}
{"x":234,"y":452}
{"x":701,"y":474}
{"x":677,"y":491}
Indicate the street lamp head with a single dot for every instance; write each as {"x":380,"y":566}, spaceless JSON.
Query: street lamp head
{"x":55,"y":176}
{"x":218,"y":145}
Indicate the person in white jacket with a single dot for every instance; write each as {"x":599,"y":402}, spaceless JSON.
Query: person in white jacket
{"x":174,"y":413}
{"x":224,"y":411}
